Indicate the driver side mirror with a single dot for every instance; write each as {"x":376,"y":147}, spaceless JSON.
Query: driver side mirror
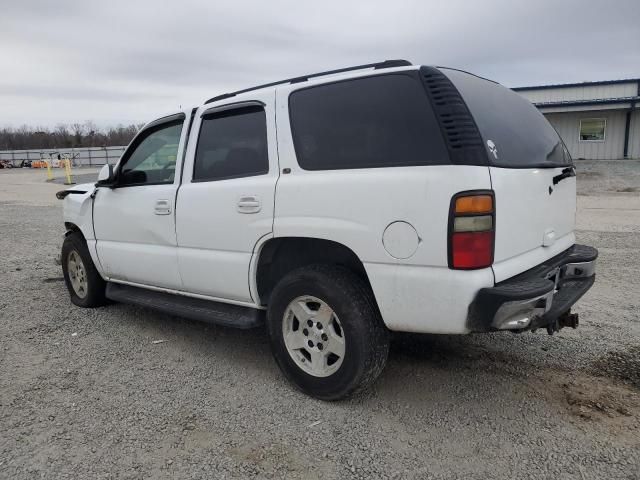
{"x":105,"y":176}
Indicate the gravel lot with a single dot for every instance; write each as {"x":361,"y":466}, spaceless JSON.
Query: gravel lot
{"x":88,"y":394}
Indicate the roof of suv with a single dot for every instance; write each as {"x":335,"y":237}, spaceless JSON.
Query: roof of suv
{"x":304,"y":78}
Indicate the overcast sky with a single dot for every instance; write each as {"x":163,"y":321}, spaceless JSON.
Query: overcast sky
{"x":115,"y":61}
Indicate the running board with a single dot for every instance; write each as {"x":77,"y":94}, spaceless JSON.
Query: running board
{"x":188,"y":307}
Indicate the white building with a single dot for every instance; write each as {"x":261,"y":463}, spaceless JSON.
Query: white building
{"x":596,"y":120}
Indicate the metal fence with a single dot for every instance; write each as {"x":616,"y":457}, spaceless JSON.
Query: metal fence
{"x":79,"y":156}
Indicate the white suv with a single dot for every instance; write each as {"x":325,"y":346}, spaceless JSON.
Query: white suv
{"x":338,"y":207}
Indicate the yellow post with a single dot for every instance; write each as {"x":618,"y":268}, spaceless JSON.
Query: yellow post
{"x":67,"y":171}
{"x":49,"y":172}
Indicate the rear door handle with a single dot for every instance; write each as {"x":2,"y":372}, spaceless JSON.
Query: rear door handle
{"x":162,"y":207}
{"x":249,"y":204}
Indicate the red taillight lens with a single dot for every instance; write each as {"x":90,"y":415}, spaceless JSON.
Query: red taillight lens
{"x":472,"y":249}
{"x":471,"y":230}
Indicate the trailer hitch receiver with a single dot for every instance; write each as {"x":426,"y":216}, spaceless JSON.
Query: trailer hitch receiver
{"x":567,"y":319}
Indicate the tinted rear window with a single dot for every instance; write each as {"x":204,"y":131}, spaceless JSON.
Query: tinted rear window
{"x":371,"y":122}
{"x":513,"y":129}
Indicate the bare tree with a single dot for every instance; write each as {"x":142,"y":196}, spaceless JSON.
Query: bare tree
{"x":85,"y":134}
{"x":63,"y":137}
{"x":78,"y":132}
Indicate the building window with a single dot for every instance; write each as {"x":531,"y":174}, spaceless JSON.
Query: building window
{"x":592,"y":129}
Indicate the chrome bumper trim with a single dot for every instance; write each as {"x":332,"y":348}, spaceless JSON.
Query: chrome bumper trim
{"x":519,"y":314}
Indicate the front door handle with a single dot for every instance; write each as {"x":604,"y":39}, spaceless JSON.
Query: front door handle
{"x":249,"y":204}
{"x":162,"y":207}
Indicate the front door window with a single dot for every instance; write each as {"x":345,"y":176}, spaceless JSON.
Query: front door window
{"x":152,"y":160}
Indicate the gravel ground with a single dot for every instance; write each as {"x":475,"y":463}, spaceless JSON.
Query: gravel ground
{"x":88,"y":394}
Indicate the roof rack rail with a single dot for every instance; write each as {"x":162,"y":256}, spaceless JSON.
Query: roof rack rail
{"x":304,"y":78}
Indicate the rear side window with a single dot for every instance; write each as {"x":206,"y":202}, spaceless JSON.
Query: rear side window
{"x":232,"y":144}
{"x":371,"y":122}
{"x":515,"y":133}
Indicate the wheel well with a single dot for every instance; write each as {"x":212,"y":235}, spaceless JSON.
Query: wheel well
{"x":280,"y":256}
{"x":72,"y":228}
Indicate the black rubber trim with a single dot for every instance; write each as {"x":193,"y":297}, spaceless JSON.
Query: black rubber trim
{"x":576,"y":253}
{"x":184,"y":150}
{"x":489,"y":300}
{"x":530,"y":284}
{"x":188,"y":307}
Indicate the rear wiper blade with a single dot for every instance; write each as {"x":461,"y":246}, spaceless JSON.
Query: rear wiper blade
{"x":566,"y":173}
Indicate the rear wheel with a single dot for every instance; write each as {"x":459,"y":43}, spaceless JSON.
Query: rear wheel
{"x":86,"y":286}
{"x":326,"y":332}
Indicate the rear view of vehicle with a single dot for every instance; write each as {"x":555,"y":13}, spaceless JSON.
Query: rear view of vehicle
{"x":538,"y":269}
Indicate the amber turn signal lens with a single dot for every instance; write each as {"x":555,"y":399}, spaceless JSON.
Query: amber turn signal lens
{"x":474,"y":204}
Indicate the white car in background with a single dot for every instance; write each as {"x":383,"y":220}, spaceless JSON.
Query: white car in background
{"x":338,"y":207}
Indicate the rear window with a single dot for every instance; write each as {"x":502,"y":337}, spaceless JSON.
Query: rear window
{"x":371,"y":122}
{"x":515,"y":133}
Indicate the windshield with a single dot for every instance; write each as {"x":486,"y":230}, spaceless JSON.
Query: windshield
{"x":515,"y":133}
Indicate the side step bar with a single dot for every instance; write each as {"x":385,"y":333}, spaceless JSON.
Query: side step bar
{"x":187,"y":307}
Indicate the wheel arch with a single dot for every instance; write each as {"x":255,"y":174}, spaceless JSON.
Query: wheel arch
{"x":87,"y":237}
{"x":280,"y":255}
{"x":71,"y":227}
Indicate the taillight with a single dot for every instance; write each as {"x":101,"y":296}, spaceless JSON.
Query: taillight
{"x":471,"y":230}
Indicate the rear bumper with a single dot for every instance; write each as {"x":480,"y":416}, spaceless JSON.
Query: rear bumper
{"x":539,"y":297}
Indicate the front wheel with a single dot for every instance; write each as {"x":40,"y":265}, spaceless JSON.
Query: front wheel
{"x":326,"y":332}
{"x":86,"y":286}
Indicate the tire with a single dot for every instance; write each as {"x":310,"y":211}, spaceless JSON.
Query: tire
{"x":355,"y":318}
{"x":92,"y":294}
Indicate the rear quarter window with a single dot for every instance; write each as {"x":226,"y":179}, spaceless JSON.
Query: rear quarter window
{"x":370,"y":122}
{"x":515,"y":133}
